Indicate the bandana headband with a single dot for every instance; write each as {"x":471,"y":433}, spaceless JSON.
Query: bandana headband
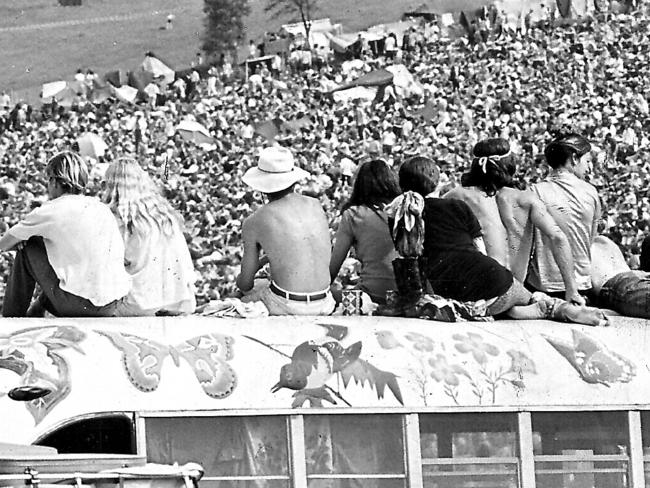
{"x":495,"y":158}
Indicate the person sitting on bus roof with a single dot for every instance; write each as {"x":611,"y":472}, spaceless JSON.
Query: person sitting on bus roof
{"x":510,"y":217}
{"x":618,"y":287}
{"x":156,"y":254}
{"x":292,"y":231}
{"x":71,"y":246}
{"x":455,"y":263}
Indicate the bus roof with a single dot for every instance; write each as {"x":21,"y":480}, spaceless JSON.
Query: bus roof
{"x":279,"y":364}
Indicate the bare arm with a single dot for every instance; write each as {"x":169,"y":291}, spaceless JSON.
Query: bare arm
{"x":8,"y":242}
{"x":560,"y":248}
{"x":250,"y":262}
{"x":597,"y":219}
{"x":342,"y":245}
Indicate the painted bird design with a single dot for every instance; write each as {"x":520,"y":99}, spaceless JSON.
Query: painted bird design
{"x":314,"y":363}
{"x":594,"y":361}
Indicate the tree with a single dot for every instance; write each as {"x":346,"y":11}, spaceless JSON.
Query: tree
{"x":291,"y":7}
{"x":223,"y":25}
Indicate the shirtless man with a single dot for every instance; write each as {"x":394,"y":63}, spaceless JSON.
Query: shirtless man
{"x":617,"y":286}
{"x":293,"y":233}
{"x":509,"y":216}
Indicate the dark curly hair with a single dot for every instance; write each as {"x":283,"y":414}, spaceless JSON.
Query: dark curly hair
{"x":493,"y":167}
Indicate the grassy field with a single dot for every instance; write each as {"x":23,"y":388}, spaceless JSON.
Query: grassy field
{"x":42,"y":41}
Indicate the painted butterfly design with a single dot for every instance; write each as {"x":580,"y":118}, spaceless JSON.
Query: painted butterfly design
{"x":594,"y":361}
{"x":34,"y":354}
{"x":207,"y":355}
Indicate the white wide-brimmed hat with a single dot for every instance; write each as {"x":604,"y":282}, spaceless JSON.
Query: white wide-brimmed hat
{"x":275,"y":171}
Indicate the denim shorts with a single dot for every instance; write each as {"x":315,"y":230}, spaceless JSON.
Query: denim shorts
{"x":627,"y":293}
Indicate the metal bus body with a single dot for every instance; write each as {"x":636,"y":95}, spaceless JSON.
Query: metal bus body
{"x":339,"y":401}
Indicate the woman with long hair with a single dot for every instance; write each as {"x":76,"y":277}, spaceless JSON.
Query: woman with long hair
{"x":364,"y":227}
{"x":156,"y":253}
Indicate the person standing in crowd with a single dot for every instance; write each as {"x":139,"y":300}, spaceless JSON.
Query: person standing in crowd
{"x":510,"y":217}
{"x":156,"y":254}
{"x":296,"y":244}
{"x":455,"y":263}
{"x":71,"y":246}
{"x":364,"y":226}
{"x":575,"y":206}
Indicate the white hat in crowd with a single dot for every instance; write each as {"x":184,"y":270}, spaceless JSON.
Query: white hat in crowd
{"x":275,"y":171}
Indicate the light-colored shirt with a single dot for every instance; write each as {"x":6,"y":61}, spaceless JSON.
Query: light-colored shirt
{"x":83,"y":244}
{"x":161,"y":270}
{"x":575,"y":205}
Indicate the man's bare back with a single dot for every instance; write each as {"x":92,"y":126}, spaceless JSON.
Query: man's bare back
{"x":293,"y":233}
{"x":508,"y":221}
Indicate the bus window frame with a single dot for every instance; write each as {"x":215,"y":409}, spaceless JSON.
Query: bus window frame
{"x":129,"y":415}
{"x":412,"y":456}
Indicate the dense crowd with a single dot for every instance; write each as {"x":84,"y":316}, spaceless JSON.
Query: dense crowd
{"x":523,"y":85}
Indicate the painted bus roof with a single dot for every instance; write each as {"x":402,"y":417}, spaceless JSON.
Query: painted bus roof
{"x":304,"y":364}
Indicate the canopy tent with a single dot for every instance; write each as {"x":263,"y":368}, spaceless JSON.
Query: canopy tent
{"x":342,"y":42}
{"x":117,"y":77}
{"x":397,"y":28}
{"x":319,"y":25}
{"x":317,"y":32}
{"x":53,"y":88}
{"x":404,"y":81}
{"x":157,"y":68}
{"x":356,"y":93}
{"x":125,"y":93}
{"x":192,"y":131}
{"x":140,"y":79}
{"x":379,"y":77}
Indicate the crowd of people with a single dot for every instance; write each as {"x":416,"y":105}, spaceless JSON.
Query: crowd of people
{"x":525,"y":87}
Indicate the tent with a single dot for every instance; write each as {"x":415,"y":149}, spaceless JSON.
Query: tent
{"x":404,"y":81}
{"x":157,"y":68}
{"x":50,"y":90}
{"x":125,"y":93}
{"x":376,"y":78}
{"x":117,"y":78}
{"x":356,"y":93}
{"x":317,"y":32}
{"x":140,"y":78}
{"x":342,"y":42}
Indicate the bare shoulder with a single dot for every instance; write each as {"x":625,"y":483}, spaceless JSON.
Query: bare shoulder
{"x":459,"y":193}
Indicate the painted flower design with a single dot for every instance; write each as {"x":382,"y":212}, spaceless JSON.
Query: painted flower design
{"x":521,"y":363}
{"x":420,"y":342}
{"x":474,"y":344}
{"x":441,"y":370}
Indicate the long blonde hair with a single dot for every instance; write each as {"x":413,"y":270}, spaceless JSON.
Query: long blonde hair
{"x":134,"y":198}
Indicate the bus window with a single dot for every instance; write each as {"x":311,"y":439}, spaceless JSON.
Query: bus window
{"x":236,"y":452}
{"x":468,"y":450}
{"x":364,"y":451}
{"x":580,"y":449}
{"x":112,"y":434}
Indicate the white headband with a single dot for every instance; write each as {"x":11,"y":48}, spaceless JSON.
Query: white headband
{"x":484,"y":160}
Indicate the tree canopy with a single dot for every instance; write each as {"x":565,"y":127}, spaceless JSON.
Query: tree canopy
{"x":223,"y":25}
